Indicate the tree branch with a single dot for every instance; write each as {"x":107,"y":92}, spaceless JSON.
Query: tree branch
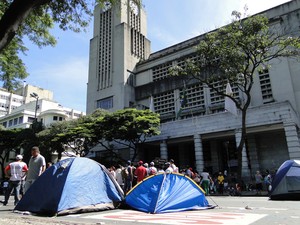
{"x":14,"y":16}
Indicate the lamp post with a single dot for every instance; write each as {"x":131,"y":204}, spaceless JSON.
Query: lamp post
{"x":35,"y":95}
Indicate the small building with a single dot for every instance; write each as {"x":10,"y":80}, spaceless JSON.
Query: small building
{"x":34,"y":103}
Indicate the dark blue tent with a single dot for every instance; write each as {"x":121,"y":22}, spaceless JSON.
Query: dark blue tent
{"x":286,"y":182}
{"x":70,"y":186}
{"x":167,"y":192}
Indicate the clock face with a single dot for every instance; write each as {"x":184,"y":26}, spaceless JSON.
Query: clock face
{"x":107,"y":6}
{"x":134,"y":7}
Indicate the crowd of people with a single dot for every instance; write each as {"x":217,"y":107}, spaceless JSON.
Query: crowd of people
{"x":130,"y":174}
{"x":220,"y":183}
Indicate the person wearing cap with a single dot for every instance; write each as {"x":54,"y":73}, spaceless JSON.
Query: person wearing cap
{"x":15,"y":171}
{"x":37,"y":166}
{"x":152,"y":169}
{"x":140,"y":172}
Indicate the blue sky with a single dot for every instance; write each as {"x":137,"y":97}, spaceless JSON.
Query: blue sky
{"x":63,"y":69}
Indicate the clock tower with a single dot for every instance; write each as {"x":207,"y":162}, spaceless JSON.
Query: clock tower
{"x":119,"y":42}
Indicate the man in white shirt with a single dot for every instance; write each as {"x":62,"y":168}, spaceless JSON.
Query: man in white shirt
{"x":15,"y":171}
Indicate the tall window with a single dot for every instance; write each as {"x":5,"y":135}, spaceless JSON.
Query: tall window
{"x":106,"y":103}
{"x":265,"y":85}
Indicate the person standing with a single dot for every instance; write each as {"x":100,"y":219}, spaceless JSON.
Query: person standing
{"x":220,"y":180}
{"x":127,"y":176}
{"x":37,"y":166}
{"x":174,"y":167}
{"x":140,"y":172}
{"x":205,"y":181}
{"x":169,"y":167}
{"x":15,"y":172}
{"x":119,"y":177}
{"x":189,"y":172}
{"x":146,"y":165}
{"x":152,"y":169}
{"x":258,"y":182}
{"x":112,"y":171}
{"x":268,"y":182}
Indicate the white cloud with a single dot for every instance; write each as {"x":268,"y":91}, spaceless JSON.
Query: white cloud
{"x":173,"y":21}
{"x":67,"y":79}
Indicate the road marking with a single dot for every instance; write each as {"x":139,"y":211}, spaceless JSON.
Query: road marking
{"x":188,"y":217}
{"x":257,"y":208}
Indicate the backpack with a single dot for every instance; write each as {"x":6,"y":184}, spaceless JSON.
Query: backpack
{"x":125,"y":173}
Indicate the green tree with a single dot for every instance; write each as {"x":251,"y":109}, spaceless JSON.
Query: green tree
{"x":48,"y":138}
{"x":33,"y":19}
{"x":75,"y":135}
{"x":234,"y":54}
{"x":8,"y":143}
{"x":128,"y":127}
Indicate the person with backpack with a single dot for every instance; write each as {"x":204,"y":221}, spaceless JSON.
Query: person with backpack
{"x":127,"y":175}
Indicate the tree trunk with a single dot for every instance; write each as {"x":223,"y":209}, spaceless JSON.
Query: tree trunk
{"x":244,"y":141}
{"x":14,"y":16}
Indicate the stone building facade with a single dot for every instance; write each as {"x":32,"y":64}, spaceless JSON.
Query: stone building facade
{"x":204,"y":136}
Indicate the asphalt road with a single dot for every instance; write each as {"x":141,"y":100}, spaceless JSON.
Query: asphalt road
{"x":229,"y":210}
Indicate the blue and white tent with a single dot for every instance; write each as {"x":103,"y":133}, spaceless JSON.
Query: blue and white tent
{"x":70,"y":186}
{"x":167,"y":192}
{"x":286,"y":182}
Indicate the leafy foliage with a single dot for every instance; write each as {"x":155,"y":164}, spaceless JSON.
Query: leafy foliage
{"x":34,"y":19}
{"x":8,"y":142}
{"x":128,"y":127}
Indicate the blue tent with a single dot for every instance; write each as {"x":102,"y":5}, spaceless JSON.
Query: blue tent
{"x":286,"y":182}
{"x":167,"y":192}
{"x":70,"y":186}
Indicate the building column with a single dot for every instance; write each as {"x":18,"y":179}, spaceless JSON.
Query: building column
{"x":131,"y":154}
{"x":183,"y":158}
{"x":163,"y":150}
{"x":253,"y":154}
{"x":292,"y":140}
{"x":198,"y":153}
{"x":245,"y":173}
{"x":214,"y":146}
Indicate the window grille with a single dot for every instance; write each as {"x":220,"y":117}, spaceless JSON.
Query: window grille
{"x":265,"y":85}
